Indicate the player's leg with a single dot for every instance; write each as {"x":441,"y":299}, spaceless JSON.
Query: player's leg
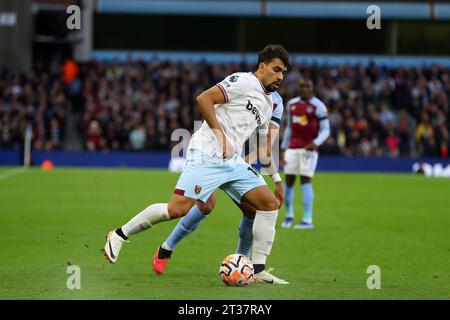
{"x":197,"y":182}
{"x":246,"y":184}
{"x":291,"y":170}
{"x":266,"y":205}
{"x":185,"y":226}
{"x":245,"y":228}
{"x":289,"y":189}
{"x":189,"y":222}
{"x":308,"y":167}
{"x":308,"y":200}
{"x":147,"y":218}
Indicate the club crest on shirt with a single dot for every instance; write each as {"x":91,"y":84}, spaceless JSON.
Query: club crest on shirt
{"x":197,"y":189}
{"x":233,"y":78}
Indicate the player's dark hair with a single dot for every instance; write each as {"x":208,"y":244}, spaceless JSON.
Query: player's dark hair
{"x":273,"y":51}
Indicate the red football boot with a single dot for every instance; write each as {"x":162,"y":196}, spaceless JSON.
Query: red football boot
{"x":158,"y":264}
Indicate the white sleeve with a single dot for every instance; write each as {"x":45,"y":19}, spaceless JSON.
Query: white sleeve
{"x":234,"y":86}
{"x":324,"y":132}
{"x":321,"y":111}
{"x":324,"y":124}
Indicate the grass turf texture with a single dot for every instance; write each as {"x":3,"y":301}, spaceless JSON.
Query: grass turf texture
{"x":51,"y":219}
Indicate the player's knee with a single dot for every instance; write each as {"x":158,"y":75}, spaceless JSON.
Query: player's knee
{"x":176,"y":210}
{"x":249,"y":214}
{"x":304,"y":180}
{"x":290,"y":180}
{"x":270,"y":204}
{"x":206,"y":207}
{"x":248,"y":211}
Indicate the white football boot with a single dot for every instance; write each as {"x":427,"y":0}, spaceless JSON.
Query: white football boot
{"x":266,"y":277}
{"x":114,"y":243}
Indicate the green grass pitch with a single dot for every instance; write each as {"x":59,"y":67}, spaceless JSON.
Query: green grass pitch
{"x":51,"y":219}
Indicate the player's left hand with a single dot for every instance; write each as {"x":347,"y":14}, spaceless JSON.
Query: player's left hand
{"x":311,"y":147}
{"x":279,"y":193}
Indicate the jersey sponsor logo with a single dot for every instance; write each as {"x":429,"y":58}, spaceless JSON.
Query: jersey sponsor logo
{"x":234,"y":78}
{"x":197,"y":189}
{"x":301,"y":120}
{"x":254,"y":110}
{"x":226,"y":84}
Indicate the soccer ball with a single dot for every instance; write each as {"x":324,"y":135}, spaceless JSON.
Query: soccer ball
{"x":236,"y":270}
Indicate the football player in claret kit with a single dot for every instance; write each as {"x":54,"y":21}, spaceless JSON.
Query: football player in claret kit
{"x":233,"y":109}
{"x":307,"y":128}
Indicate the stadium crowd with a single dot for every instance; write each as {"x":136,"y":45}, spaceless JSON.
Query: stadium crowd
{"x":37,"y":97}
{"x":373,"y":110}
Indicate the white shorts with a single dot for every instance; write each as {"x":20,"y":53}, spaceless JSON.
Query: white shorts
{"x":300,"y":162}
{"x":202,"y":175}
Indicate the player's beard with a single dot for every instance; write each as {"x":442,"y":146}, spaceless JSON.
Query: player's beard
{"x":272,"y":87}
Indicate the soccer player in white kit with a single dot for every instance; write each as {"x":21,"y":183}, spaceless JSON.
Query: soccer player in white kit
{"x":190,"y":222}
{"x":232,"y":110}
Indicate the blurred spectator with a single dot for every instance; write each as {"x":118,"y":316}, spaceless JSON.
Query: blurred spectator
{"x":137,"y":138}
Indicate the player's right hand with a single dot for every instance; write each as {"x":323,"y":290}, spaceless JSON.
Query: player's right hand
{"x":225,"y":145}
{"x":227,"y":148}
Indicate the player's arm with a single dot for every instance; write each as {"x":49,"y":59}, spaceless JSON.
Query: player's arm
{"x":206,"y":101}
{"x":324,"y":129}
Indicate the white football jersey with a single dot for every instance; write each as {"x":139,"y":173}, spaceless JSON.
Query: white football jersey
{"x":247,"y":106}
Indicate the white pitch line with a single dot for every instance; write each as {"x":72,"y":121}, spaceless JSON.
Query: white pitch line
{"x":11,"y":173}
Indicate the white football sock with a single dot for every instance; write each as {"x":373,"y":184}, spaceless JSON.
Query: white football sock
{"x":263,"y":235}
{"x":145,"y":219}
